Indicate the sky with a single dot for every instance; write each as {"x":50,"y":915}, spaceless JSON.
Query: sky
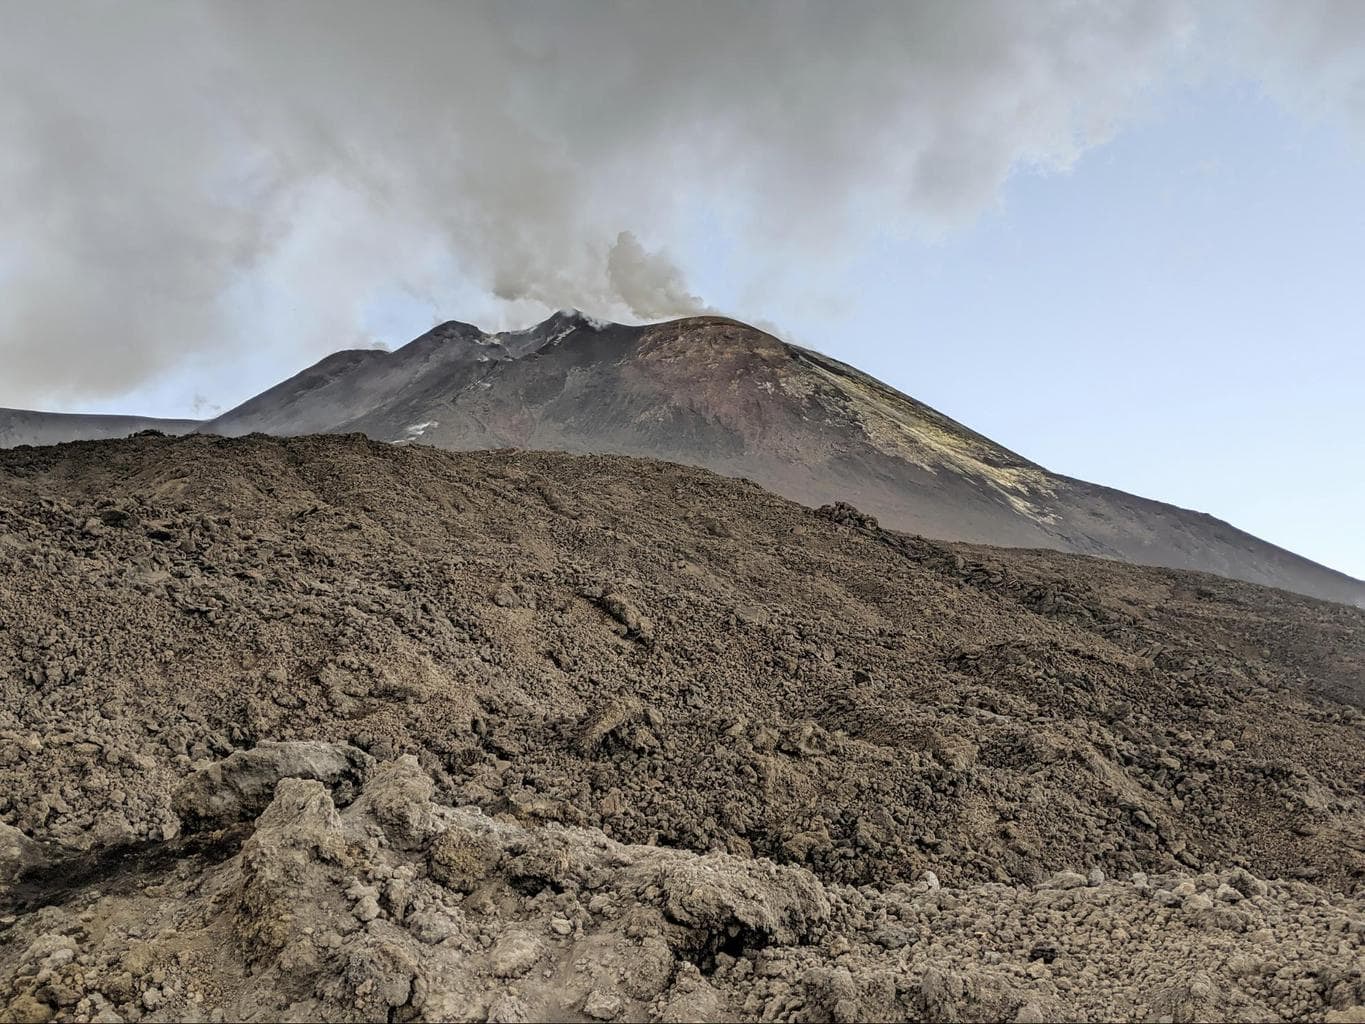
{"x":1123,"y":239}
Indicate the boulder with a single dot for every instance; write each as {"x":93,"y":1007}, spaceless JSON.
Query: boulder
{"x":242,"y":785}
{"x":18,"y":853}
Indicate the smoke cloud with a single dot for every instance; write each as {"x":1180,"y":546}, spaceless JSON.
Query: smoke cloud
{"x":1308,"y":54}
{"x":188,"y":181}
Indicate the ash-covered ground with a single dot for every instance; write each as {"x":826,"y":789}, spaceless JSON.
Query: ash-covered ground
{"x":325,"y":728}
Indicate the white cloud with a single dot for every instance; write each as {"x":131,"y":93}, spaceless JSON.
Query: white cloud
{"x":195,"y":178}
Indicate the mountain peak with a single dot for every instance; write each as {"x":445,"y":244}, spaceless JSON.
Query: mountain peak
{"x":453,"y":328}
{"x":571,"y":317}
{"x":549,"y":332}
{"x":712,"y":391}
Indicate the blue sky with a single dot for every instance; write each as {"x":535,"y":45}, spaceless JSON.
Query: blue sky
{"x":1181,"y":315}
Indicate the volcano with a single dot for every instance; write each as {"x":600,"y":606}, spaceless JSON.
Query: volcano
{"x":716,"y":393}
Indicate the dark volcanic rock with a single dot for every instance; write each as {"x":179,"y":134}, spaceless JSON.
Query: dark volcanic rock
{"x":713,"y":392}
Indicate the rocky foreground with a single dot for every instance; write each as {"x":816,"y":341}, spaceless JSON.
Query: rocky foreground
{"x":398,"y":908}
{"x":323,"y":728}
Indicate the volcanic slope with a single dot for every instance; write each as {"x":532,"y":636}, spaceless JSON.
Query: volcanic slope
{"x":763,"y":702}
{"x":716,"y":393}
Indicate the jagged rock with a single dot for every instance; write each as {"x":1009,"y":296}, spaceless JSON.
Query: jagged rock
{"x":1065,"y":880}
{"x":461,"y":858}
{"x":844,"y":514}
{"x":623,"y":610}
{"x":17,"y":853}
{"x":298,"y":829}
{"x":891,"y":759}
{"x":720,"y":893}
{"x":1188,"y":1001}
{"x":605,"y":719}
{"x":242,"y":785}
{"x":339,"y":913}
{"x":398,"y":796}
{"x":515,"y":954}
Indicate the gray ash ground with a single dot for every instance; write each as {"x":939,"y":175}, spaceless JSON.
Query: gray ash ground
{"x":326,"y":728}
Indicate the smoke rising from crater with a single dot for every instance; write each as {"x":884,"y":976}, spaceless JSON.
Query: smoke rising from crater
{"x":182,"y":182}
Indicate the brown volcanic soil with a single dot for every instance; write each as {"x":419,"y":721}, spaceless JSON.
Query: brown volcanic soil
{"x":600,"y":650}
{"x":713,"y":392}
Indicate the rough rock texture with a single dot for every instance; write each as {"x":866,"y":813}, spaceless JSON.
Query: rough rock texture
{"x":327,"y":915}
{"x":713,"y":392}
{"x":17,"y":853}
{"x":240,"y":787}
{"x":815,"y":769}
